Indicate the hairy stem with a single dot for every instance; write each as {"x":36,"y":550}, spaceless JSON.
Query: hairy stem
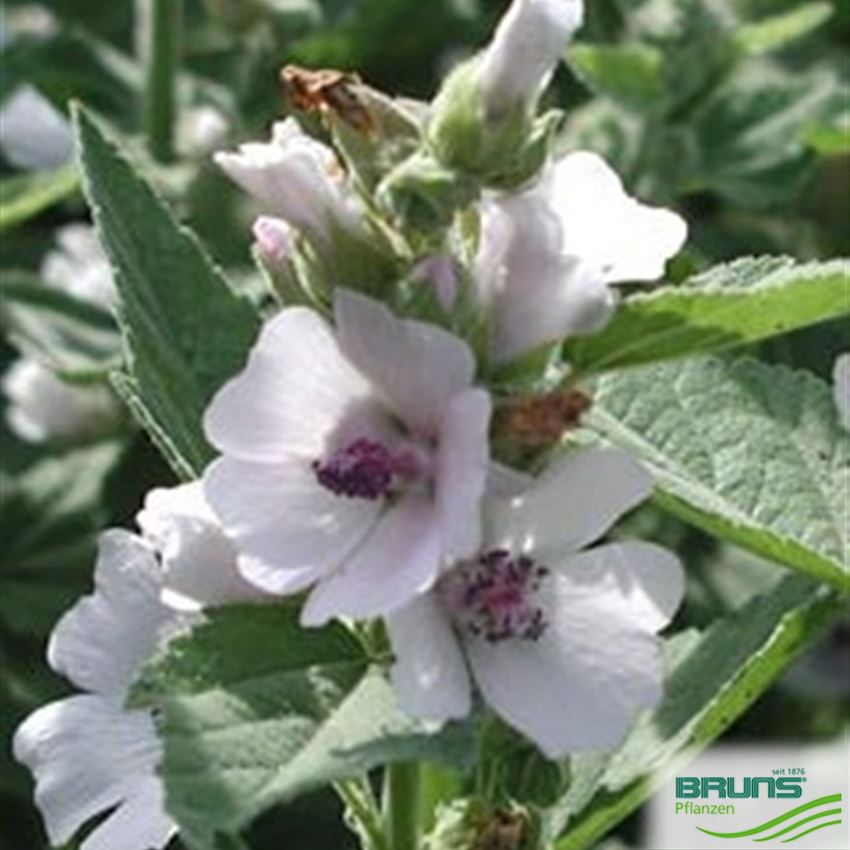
{"x":158,"y":32}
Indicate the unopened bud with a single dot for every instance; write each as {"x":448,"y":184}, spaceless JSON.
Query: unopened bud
{"x":484,"y":121}
{"x":423,"y":195}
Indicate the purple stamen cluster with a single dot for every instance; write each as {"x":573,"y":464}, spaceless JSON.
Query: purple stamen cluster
{"x":496,"y":597}
{"x":364,"y":469}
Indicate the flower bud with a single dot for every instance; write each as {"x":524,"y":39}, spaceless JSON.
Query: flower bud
{"x":528,"y":44}
{"x":276,"y":250}
{"x":484,"y":120}
{"x":301,"y":182}
{"x":273,"y":240}
{"x":423,"y":195}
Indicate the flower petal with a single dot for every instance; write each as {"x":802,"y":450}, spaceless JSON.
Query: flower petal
{"x":279,"y":514}
{"x":537,"y":294}
{"x":429,"y":675}
{"x":461,"y":472}
{"x":577,"y":498}
{"x":199,"y":562}
{"x":649,"y":579}
{"x":399,"y":559}
{"x":141,"y":823}
{"x":295,"y":390}
{"x":505,"y":482}
{"x":417,"y":366}
{"x":102,"y":642}
{"x":841,"y":388}
{"x":87,"y":755}
{"x":581,"y":685}
{"x":605,"y":227}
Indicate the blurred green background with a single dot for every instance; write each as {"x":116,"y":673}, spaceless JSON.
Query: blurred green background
{"x":736,"y":112}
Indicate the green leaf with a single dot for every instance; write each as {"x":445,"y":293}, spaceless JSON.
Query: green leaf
{"x":50,"y":515}
{"x":746,"y":451}
{"x":255,"y":710}
{"x":630,"y":74}
{"x":830,"y":136}
{"x":711,"y":679}
{"x":750,"y":135}
{"x":781,"y":30}
{"x":185,"y":331}
{"x":71,"y":336}
{"x":730,"y":305}
{"x":24,"y":196}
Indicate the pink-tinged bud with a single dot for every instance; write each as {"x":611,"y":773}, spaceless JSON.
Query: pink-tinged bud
{"x":439,"y":271}
{"x":273,"y":239}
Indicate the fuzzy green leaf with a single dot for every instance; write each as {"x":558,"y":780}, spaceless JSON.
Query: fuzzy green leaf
{"x":185,"y":331}
{"x":746,"y":451}
{"x":630,"y":74}
{"x":255,"y":710}
{"x":730,"y":305}
{"x":780,"y":30}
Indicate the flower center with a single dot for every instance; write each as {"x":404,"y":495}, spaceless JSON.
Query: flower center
{"x":494,"y":597}
{"x":365,"y":469}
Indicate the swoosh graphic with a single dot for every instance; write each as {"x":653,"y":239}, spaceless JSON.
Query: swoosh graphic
{"x":813,"y":829}
{"x":832,"y":798}
{"x":809,"y":819}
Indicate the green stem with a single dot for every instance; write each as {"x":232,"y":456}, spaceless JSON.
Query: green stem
{"x":158,"y":28}
{"x":402,"y":805}
{"x":362,"y":811}
{"x":439,"y":786}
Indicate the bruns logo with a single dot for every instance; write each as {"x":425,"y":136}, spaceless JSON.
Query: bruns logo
{"x":729,"y":787}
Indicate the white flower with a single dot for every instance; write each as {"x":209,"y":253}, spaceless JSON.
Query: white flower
{"x":355,"y":460}
{"x":299,"y":180}
{"x":548,"y":255}
{"x":88,"y":753}
{"x":560,"y":639}
{"x":79,"y":267}
{"x":34,"y":135}
{"x":43,"y":407}
{"x":841,"y":388}
{"x":528,"y":45}
{"x":199,"y":563}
